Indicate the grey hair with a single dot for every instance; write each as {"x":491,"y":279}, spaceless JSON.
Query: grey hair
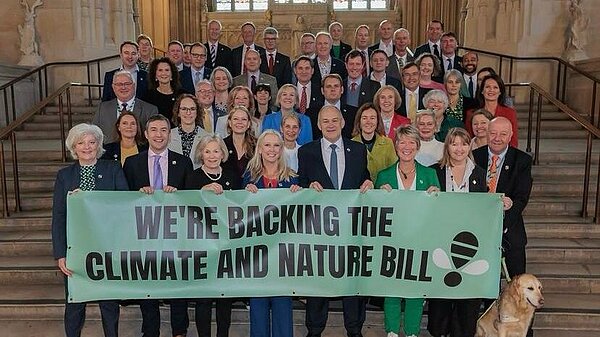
{"x":203,"y":81}
{"x":271,"y":30}
{"x":204,"y":141}
{"x":437,"y":95}
{"x":426,"y":112}
{"x":81,"y":130}
{"x":227,"y":73}
{"x":452,"y":72}
{"x":123,"y":73}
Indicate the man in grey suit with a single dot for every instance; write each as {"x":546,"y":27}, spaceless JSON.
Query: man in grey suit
{"x":402,"y":54}
{"x":253,"y":76}
{"x":106,"y":116}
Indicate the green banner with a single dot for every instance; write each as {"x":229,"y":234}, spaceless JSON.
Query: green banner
{"x":193,"y":244}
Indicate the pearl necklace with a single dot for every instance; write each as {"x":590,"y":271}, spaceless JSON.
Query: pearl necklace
{"x":209,"y":175}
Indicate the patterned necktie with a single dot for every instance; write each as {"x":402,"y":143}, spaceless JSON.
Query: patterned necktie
{"x":449,"y":64}
{"x":157,"y":182}
{"x":207,"y":121}
{"x":213,"y":55}
{"x":123,"y":107}
{"x":333,"y":167}
{"x":243,"y":58}
{"x":353,"y":86}
{"x":196,"y":78}
{"x":366,"y":65}
{"x":412,"y":106}
{"x":271,"y":64}
{"x":492,"y":175}
{"x":253,"y":83}
{"x":436,"y":51}
{"x":400,"y":63}
{"x":303,"y":100}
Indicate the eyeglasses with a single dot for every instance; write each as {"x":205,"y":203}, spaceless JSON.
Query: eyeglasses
{"x":198,"y":55}
{"x":122,"y":84}
{"x":205,"y":91}
{"x":186,"y":109}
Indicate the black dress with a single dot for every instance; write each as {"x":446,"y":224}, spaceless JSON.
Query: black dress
{"x":198,"y":179}
{"x":233,"y":163}
{"x":163,"y":102}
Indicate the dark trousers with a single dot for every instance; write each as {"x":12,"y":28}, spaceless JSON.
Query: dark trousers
{"x":75,"y":317}
{"x":150,"y":318}
{"x":354,"y":315}
{"x":456,"y":317}
{"x":203,"y":316}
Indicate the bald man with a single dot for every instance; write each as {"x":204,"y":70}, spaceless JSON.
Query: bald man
{"x":336,"y":163}
{"x":508,"y":172}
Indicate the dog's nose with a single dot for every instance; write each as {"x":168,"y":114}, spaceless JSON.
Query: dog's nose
{"x":541,"y":301}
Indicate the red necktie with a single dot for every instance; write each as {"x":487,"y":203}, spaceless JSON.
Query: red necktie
{"x":492,"y":182}
{"x":353,"y":86}
{"x":271,"y":64}
{"x":303,"y":100}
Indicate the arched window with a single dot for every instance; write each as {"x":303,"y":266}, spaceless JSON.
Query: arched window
{"x":261,"y":5}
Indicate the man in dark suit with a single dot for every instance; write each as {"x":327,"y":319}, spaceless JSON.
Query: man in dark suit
{"x":175,"y":51}
{"x":197,"y":71}
{"x":219,"y":55}
{"x":310,"y":99}
{"x":149,"y":171}
{"x":509,"y":172}
{"x":332,"y":87}
{"x":336,"y":163}
{"x":362,"y":37}
{"x":325,"y":63}
{"x":386,"y":32}
{"x":339,"y":49}
{"x":435,"y":28}
{"x":412,"y":94}
{"x":253,"y":76}
{"x":449,"y":58}
{"x":273,"y":62}
{"x":379,"y":63}
{"x":402,"y":54}
{"x":128,"y":51}
{"x":108,"y":112}
{"x":238,"y":53}
{"x":358,"y":90}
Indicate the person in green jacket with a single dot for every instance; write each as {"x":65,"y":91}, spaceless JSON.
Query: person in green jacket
{"x":406,"y":174}
{"x":369,"y":130}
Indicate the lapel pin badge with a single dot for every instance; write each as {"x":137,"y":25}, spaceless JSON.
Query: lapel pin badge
{"x":174,"y":162}
{"x":474,"y":182}
{"x":100,"y":176}
{"x":420,"y":181}
{"x":506,"y":167}
{"x":348,"y":149}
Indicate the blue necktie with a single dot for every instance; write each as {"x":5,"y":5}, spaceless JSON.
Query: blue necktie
{"x":157,"y":184}
{"x":333,"y":167}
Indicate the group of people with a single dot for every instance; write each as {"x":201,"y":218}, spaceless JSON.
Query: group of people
{"x":376,"y":116}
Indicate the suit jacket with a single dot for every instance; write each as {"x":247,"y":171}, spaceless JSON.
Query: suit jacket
{"x":311,"y":167}
{"x":349,"y":114}
{"x":425,"y":176}
{"x":337,"y":67}
{"x":262,"y":78}
{"x":397,"y":120}
{"x":314,"y":106}
{"x":424,"y":48}
{"x":113,"y":151}
{"x":236,"y":59}
{"x":477,"y":178}
{"x":393,"y":81}
{"x":282,"y":68}
{"x":109,"y":177}
{"x":368,"y":88}
{"x":515,"y":182}
{"x":420,"y":106}
{"x":175,"y":143}
{"x":187,"y":82}
{"x":223,"y":56}
{"x":141,"y":85}
{"x":392,"y":68}
{"x":457,"y":64}
{"x":106,"y":117}
{"x":344,"y":50}
{"x":136,"y":170}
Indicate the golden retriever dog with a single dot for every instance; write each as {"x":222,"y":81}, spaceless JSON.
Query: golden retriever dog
{"x":511,"y":314}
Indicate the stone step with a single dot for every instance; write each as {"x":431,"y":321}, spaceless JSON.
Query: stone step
{"x":556,"y":125}
{"x":555,"y":134}
{"x":75,"y":109}
{"x":556,"y":206}
{"x":561,"y":189}
{"x":578,"y":251}
{"x":53,"y":118}
{"x":39,"y":134}
{"x":28,"y":184}
{"x":561,"y":230}
{"x":32,"y":201}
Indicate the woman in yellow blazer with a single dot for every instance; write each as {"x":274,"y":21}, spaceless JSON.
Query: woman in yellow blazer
{"x":406,"y":174}
{"x":369,"y":130}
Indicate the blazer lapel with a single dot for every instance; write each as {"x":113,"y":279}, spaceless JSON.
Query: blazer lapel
{"x":173,"y":170}
{"x":347,"y":160}
{"x":506,"y":170}
{"x":319,"y":159}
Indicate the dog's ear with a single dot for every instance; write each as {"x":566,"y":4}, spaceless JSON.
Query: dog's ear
{"x":516,"y":292}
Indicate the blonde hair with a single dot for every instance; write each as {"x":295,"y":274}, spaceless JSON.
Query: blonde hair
{"x":81,"y":130}
{"x":255,"y":165}
{"x":249,"y":138}
{"x":204,"y":141}
{"x":450,"y":137}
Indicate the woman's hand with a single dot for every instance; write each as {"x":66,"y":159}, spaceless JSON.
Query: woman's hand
{"x":74,"y":191}
{"x":62,"y":265}
{"x":147,"y":190}
{"x":169,"y":189}
{"x":251,"y":188}
{"x":386,"y":187}
{"x":433,"y":189}
{"x":215,"y":187}
{"x":295,"y":188}
{"x":366,"y":185}
{"x":315,"y":185}
{"x":507,"y":202}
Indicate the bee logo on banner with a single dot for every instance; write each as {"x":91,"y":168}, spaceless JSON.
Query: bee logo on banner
{"x":463,"y":249}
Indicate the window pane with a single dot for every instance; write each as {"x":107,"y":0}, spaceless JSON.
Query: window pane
{"x":223,"y":5}
{"x":260,"y":4}
{"x":379,"y":4}
{"x":242,"y":5}
{"x":358,"y":4}
{"x":340,"y":4}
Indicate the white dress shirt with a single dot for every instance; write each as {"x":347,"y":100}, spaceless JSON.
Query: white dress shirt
{"x":340,"y":151}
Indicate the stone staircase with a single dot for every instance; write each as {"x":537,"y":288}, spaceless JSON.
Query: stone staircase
{"x":562,"y":251}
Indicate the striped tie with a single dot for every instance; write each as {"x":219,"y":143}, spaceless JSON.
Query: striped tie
{"x":492,"y":175}
{"x":213,"y":55}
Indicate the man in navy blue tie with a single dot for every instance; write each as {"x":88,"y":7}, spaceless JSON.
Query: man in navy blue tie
{"x":335,"y":163}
